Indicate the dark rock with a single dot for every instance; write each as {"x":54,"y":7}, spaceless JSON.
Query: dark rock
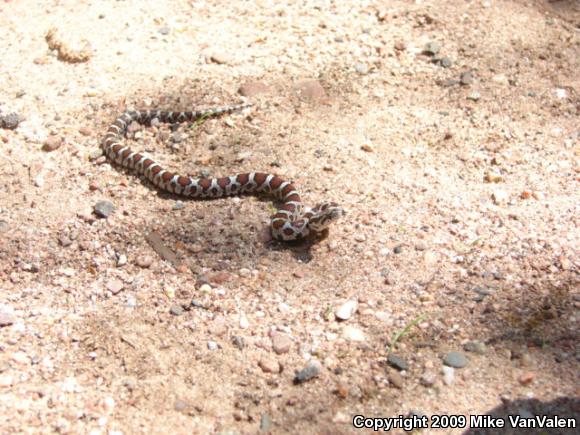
{"x":311,"y":370}
{"x":475,"y":347}
{"x":397,"y":362}
{"x":466,"y":78}
{"x":445,"y":62}
{"x":104,"y":209}
{"x":455,"y":359}
{"x":10,"y":121}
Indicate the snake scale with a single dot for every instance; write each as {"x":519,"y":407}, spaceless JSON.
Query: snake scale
{"x":292,"y":220}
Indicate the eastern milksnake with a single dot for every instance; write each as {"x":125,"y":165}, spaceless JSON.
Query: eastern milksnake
{"x":292,"y":220}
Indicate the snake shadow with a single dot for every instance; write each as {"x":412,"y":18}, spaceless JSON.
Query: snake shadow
{"x":230,"y":237}
{"x":562,"y":407}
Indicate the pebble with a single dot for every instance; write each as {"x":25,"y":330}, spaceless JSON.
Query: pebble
{"x":179,"y":205}
{"x":526,"y":378}
{"x":104,"y":209}
{"x":384,"y":317}
{"x":218,"y":327}
{"x":346,"y":310}
{"x":238,"y":342}
{"x":445,"y":62}
{"x":447,"y":83}
{"x":474,"y":96}
{"x":455,"y":359}
{"x":432,"y":48}
{"x":265,"y":423}
{"x":561,"y":93}
{"x":95,"y":153}
{"x":428,"y":378}
{"x":493,"y":176}
{"x":341,"y":418}
{"x":180,"y":405}
{"x":6,"y":380}
{"x":351,"y":333}
{"x":396,"y":380}
{"x":448,"y":375}
{"x":420,"y":246}
{"x":359,"y":237}
{"x":144,"y":261}
{"x":131,"y":301}
{"x":397,"y":362}
{"x":310,"y":89}
{"x":499,"y":197}
{"x":121,"y":260}
{"x":6,"y":318}
{"x":10,"y":121}
{"x":52,"y":143}
{"x":400,"y":45}
{"x":220,"y":58}
{"x":245,"y":273}
{"x":311,"y":370}
{"x":475,"y":347}
{"x":398,"y":249}
{"x":164,"y":30}
{"x":368,"y":147}
{"x":253,"y":88}
{"x":466,"y":78}
{"x":500,"y":78}
{"x":20,"y":358}
{"x":114,"y":286}
{"x":212,"y":345}
{"x":281,"y":343}
{"x":269,"y":365}
{"x":176,"y":310}
{"x":244,"y":323}
{"x":361,"y":68}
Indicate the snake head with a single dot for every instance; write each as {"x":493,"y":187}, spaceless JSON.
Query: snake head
{"x":324,"y":215}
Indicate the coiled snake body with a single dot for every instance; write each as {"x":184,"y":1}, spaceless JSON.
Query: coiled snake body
{"x":292,"y":220}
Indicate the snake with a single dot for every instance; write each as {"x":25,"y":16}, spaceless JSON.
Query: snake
{"x":292,"y":220}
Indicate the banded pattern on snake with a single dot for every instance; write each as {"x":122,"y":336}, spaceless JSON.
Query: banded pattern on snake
{"x":292,"y":220}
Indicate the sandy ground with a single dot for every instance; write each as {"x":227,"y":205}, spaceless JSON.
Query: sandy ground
{"x":449,"y":130}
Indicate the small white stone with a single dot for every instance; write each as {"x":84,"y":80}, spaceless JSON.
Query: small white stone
{"x":6,"y":380}
{"x":500,"y":196}
{"x":352,"y":333}
{"x":448,"y":375}
{"x":346,"y":310}
{"x":212,"y":345}
{"x":122,"y":260}
{"x":205,"y":288}
{"x":20,"y":358}
{"x":385,"y":251}
{"x":341,"y":418}
{"x":244,"y":323}
{"x":561,"y":93}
